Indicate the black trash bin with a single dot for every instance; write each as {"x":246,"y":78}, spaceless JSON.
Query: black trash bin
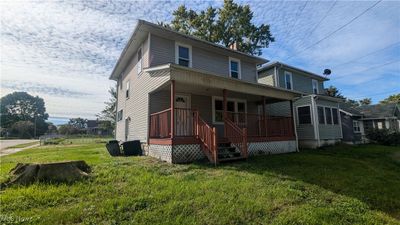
{"x":132,"y":148}
{"x":113,"y":148}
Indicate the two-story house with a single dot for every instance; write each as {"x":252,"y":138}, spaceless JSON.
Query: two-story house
{"x":316,"y":114}
{"x":185,"y":99}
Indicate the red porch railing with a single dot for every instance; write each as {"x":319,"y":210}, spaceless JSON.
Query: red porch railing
{"x":237,"y":136}
{"x":208,"y":138}
{"x":160,"y":124}
{"x":280,"y":127}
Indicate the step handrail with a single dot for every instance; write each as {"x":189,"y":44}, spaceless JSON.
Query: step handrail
{"x":208,"y":138}
{"x":236,"y":135}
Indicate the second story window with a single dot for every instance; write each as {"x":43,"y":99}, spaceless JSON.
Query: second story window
{"x":315,"y":86}
{"x":288,"y":80}
{"x":183,"y":55}
{"x":127,"y":89}
{"x":119,"y":115}
{"x":139,"y":63}
{"x":234,"y":68}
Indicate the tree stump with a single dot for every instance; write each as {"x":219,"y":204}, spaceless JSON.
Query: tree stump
{"x":60,"y":172}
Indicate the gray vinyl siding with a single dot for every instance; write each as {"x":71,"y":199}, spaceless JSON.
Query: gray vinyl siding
{"x":304,"y":131}
{"x":267,"y":77}
{"x":278,"y":109}
{"x":329,"y":131}
{"x":162,"y":51}
{"x":136,"y":107}
{"x":301,"y":82}
{"x":159,"y":101}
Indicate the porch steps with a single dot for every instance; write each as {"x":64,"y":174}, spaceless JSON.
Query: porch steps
{"x":228,"y":153}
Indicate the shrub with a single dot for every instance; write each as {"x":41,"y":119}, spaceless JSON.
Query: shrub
{"x":384,"y":137}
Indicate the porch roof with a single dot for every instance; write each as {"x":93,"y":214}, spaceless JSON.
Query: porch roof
{"x":203,"y":78}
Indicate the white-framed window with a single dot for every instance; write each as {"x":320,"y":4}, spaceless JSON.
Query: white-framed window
{"x":356,"y":126}
{"x":328,"y":115}
{"x":321,"y":115}
{"x":380,"y":125}
{"x":235,"y":108}
{"x":119,"y":115}
{"x":127,"y":94}
{"x":304,"y":114}
{"x":335,"y":116}
{"x":139,"y":63}
{"x":183,"y":54}
{"x":234,"y":68}
{"x":315,"y":86}
{"x":288,"y":80}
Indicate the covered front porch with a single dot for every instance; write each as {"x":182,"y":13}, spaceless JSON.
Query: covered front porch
{"x":220,"y":115}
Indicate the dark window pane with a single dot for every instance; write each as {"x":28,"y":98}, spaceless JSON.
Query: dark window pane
{"x":139,"y":54}
{"x":234,"y":74}
{"x":241,"y":107}
{"x":218,"y":116}
{"x":335,"y":116}
{"x":184,"y":62}
{"x":321,"y":117}
{"x":328,"y":115}
{"x":234,"y":66}
{"x":304,"y":114}
{"x":288,"y":81}
{"x":183,"y":52}
{"x":219,"y":105}
{"x":231,"y":106}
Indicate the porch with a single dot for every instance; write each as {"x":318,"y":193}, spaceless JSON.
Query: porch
{"x":223,"y":123}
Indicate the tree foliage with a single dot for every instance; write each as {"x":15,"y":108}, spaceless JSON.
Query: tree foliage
{"x":109,"y":113}
{"x":21,"y":106}
{"x":22,"y":129}
{"x":365,"y":101}
{"x":228,"y":25}
{"x":391,"y":99}
{"x":334,"y":92}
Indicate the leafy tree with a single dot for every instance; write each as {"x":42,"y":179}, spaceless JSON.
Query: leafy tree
{"x":21,"y":106}
{"x":228,"y":25}
{"x":109,"y":113}
{"x":22,"y":129}
{"x":352,"y":102}
{"x":78,"y":123}
{"x":333,"y":92}
{"x":365,"y":101}
{"x":391,"y":99}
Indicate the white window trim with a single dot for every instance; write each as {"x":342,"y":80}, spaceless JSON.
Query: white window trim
{"x":239,"y":67}
{"x":313,"y":81}
{"x":358,"y":125}
{"x":235,"y":100}
{"x":291,"y":79}
{"x":298,"y":118}
{"x":177,"y":44}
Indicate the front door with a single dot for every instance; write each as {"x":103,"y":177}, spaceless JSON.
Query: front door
{"x":183,"y":116}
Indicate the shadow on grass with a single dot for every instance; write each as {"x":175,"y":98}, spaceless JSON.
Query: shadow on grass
{"x":368,"y":173}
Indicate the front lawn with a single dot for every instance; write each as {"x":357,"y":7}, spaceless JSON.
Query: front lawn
{"x":337,"y":185}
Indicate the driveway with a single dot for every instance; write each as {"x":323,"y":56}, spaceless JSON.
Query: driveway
{"x":4,"y":144}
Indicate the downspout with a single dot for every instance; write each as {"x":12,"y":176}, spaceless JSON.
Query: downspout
{"x":340,"y":122}
{"x":316,"y":126}
{"x":294,"y":126}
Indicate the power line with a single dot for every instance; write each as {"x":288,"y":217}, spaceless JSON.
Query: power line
{"x":335,"y":31}
{"x":355,"y":59}
{"x":370,"y":68}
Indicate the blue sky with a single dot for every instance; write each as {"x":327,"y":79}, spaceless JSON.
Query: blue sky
{"x":64,"y":51}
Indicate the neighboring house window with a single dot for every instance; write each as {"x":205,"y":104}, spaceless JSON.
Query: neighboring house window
{"x":380,"y":125}
{"x":315,"y":86}
{"x":288,"y":80}
{"x":328,"y":115}
{"x":127,"y":89}
{"x":335,"y":116}
{"x":234,"y":68}
{"x":139,"y":64}
{"x":321,"y":115}
{"x":234,"y":109}
{"x":304,"y":114}
{"x":356,"y":126}
{"x":183,"y":55}
{"x":119,"y":115}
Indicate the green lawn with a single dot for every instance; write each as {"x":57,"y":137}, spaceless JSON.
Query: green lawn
{"x":337,"y":185}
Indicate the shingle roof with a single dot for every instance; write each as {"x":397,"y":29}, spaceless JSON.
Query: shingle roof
{"x":349,"y":109}
{"x":379,"y":110}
